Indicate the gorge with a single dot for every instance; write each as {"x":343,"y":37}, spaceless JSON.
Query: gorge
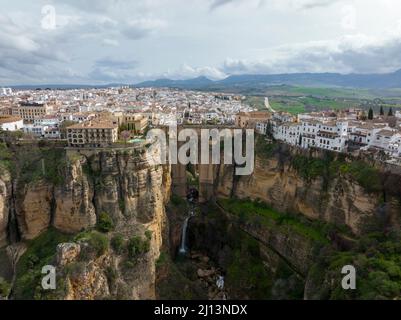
{"x":112,"y":225}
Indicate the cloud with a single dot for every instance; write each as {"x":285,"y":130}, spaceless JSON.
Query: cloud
{"x":111,"y":42}
{"x":188,"y":72}
{"x":90,"y":6}
{"x":297,"y":4}
{"x":28,"y":55}
{"x":349,"y":54}
{"x":112,"y":69}
{"x":215,"y":4}
{"x":140,"y":28}
{"x":218,"y":3}
{"x":311,"y":4}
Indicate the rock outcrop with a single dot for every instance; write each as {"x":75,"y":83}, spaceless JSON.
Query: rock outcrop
{"x":118,"y":183}
{"x":5,"y":199}
{"x":341,"y":201}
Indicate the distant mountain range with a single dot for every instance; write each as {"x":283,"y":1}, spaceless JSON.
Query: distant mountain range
{"x":368,"y":81}
{"x":242,"y":83}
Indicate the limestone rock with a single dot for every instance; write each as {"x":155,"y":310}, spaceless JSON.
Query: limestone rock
{"x":67,"y":253}
{"x":5,"y":194}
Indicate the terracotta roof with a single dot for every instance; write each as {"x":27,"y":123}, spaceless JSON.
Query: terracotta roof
{"x":95,"y":124}
{"x":387,"y":133}
{"x":9,"y":119}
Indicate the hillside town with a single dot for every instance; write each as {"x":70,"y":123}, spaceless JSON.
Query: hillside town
{"x":100,"y":117}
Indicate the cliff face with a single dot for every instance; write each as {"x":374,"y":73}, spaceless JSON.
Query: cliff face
{"x":5,"y":200}
{"x":119,"y":184}
{"x":341,"y":200}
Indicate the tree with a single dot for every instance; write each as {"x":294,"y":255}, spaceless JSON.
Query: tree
{"x":105,"y":223}
{"x":381,"y":111}
{"x":122,"y":128}
{"x":125,"y":135}
{"x":370,"y":114}
{"x":390,"y":112}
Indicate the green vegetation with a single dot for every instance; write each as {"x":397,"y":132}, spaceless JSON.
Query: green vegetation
{"x":177,"y":201}
{"x":121,"y":205}
{"x":377,"y":259}
{"x":4,"y":288}
{"x":148,"y":234}
{"x":264,"y":149}
{"x":310,"y":168}
{"x":258,"y":213}
{"x":6,"y":158}
{"x":112,"y":275}
{"x":40,"y":252}
{"x":295,"y":100}
{"x":105,"y":223}
{"x":367,"y":176}
{"x":43,"y":163}
{"x":137,"y":247}
{"x":290,"y":106}
{"x":246,"y":272}
{"x":118,"y":243}
{"x":98,"y":243}
{"x":162,"y":260}
{"x":180,"y":282}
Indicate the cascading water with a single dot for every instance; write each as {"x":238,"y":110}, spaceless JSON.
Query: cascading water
{"x":183,"y":247}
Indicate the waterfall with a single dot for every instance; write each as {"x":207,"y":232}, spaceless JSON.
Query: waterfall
{"x":183,"y":247}
{"x":13,"y":230}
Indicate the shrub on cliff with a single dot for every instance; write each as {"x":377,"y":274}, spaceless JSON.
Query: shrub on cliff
{"x":96,"y":241}
{"x":105,"y":223}
{"x":4,"y":288}
{"x":137,"y":246}
{"x":40,"y":252}
{"x":118,"y":244}
{"x":367,"y":176}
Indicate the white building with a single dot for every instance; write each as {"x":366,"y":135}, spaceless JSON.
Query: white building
{"x":329,"y":135}
{"x":261,"y":127}
{"x":381,"y":139}
{"x":11,"y":123}
{"x":6,"y":92}
{"x":36,"y":130}
{"x":49,"y":120}
{"x":52,"y":133}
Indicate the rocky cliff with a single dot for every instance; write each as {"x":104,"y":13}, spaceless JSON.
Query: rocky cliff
{"x":321,"y":186}
{"x":71,"y":195}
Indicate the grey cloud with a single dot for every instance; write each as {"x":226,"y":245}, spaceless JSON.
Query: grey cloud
{"x":22,"y":55}
{"x":342,"y":57}
{"x":112,"y":69}
{"x":218,"y":3}
{"x":311,"y":4}
{"x":90,"y":6}
{"x":115,"y":63}
{"x":140,"y":28}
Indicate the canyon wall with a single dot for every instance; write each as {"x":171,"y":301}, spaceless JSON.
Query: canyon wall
{"x":119,"y":184}
{"x":338,"y":198}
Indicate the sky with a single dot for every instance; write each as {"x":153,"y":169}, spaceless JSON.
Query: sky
{"x":126,"y":41}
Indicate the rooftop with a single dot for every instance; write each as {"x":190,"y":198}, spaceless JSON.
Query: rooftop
{"x":95,"y":124}
{"x":9,"y":119}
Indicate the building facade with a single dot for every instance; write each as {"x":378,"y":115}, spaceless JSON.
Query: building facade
{"x":94,"y":133}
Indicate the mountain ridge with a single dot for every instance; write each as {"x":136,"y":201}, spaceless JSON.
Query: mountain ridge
{"x":353,"y":80}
